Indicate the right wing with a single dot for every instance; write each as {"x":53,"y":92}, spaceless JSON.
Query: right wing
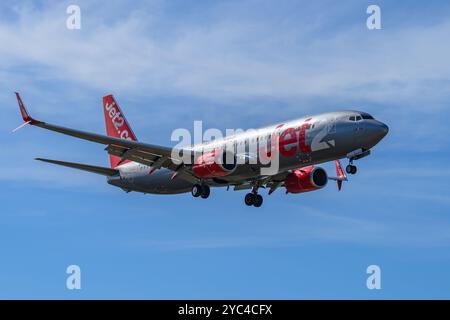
{"x":148,"y":154}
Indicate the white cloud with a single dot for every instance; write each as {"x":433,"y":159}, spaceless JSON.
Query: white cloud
{"x":225,"y":58}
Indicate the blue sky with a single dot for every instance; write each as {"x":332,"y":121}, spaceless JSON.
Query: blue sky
{"x":232,"y":64}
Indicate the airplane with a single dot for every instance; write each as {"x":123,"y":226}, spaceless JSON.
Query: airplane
{"x":236,"y":161}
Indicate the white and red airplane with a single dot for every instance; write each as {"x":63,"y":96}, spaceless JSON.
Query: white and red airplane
{"x":241,"y":161}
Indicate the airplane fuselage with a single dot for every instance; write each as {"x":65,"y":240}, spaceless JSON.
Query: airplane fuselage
{"x":302,"y":142}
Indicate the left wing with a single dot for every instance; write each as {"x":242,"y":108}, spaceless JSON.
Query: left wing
{"x":148,"y":154}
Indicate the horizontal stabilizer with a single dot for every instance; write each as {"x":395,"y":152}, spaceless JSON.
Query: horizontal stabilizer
{"x":93,"y":169}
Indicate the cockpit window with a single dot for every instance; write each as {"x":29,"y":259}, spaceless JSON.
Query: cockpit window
{"x":358,"y":118}
{"x":352,"y":118}
{"x":367,"y":116}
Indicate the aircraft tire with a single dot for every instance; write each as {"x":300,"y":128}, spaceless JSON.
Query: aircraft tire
{"x":196,"y":190}
{"x":351,"y":169}
{"x":258,"y":201}
{"x":205,"y":191}
{"x":249,"y":199}
{"x":348,"y":169}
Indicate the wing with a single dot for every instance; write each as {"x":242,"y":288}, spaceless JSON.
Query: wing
{"x":269,"y":182}
{"x":85,"y":167}
{"x":148,"y":154}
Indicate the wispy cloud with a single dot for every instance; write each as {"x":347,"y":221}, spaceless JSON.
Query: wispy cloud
{"x":233,"y":55}
{"x":224,"y":58}
{"x":312,"y":226}
{"x":308,"y":226}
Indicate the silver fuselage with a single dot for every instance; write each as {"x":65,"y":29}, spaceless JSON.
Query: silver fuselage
{"x":312,"y":140}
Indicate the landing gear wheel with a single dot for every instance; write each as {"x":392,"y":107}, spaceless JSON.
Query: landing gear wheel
{"x":249,"y":199}
{"x":348,"y":169}
{"x":258,"y":201}
{"x":351,"y":169}
{"x":196,"y":190}
{"x":205,"y":191}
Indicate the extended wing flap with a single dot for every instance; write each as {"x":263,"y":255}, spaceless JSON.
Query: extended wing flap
{"x":150,"y":159}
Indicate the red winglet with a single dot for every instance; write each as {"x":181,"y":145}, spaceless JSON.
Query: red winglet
{"x":25,"y":116}
{"x":340,"y":174}
{"x":339,"y":183}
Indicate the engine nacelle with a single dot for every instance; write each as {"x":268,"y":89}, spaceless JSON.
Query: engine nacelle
{"x":214,"y":164}
{"x":306,"y":179}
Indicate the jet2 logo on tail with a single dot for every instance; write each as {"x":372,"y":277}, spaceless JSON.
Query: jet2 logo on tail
{"x":117,"y":120}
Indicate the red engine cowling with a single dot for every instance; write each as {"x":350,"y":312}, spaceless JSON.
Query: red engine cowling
{"x":214,"y":164}
{"x":306,"y":179}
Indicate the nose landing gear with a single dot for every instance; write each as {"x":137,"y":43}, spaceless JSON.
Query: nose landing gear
{"x":351,"y":169}
{"x":355,"y":155}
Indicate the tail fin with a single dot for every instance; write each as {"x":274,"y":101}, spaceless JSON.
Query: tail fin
{"x":340,"y":174}
{"x":116,"y":126}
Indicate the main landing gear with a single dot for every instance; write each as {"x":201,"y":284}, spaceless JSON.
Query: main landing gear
{"x":253,"y":199}
{"x":200,"y":190}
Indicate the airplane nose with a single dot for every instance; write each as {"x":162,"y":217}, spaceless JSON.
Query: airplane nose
{"x":380,"y":131}
{"x":384,"y":129}
{"x":374,"y":132}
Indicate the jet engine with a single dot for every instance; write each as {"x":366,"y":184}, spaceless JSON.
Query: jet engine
{"x":214,"y":164}
{"x":306,"y":179}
